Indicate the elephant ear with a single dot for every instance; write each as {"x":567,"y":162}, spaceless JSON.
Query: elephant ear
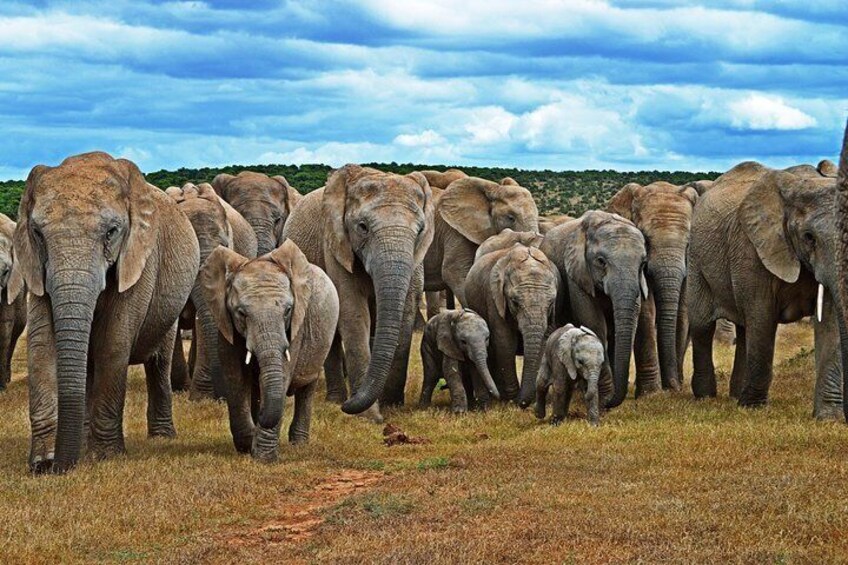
{"x":293,"y":197}
{"x":690,"y":193}
{"x":700,"y":186}
{"x":565,"y":352}
{"x":143,"y":228}
{"x":214,"y":277}
{"x":294,"y":263}
{"x":497,"y":284}
{"x":761,"y":216}
{"x":221,"y":184}
{"x":334,"y":204}
{"x":425,"y":238}
{"x":176,"y":193}
{"x":622,"y":202}
{"x":465,"y":207}
{"x":574,"y":256}
{"x":446,"y":336}
{"x":508,"y":181}
{"x":27,"y":268}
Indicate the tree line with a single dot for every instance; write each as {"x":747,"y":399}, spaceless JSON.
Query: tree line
{"x":556,"y":192}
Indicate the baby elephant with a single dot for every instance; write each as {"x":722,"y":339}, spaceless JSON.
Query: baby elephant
{"x":579,"y":353}
{"x":276,"y":318}
{"x":454,"y":345}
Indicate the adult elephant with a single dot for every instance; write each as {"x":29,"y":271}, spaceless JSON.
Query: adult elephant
{"x":762,"y":242}
{"x":440,"y":180}
{"x":265,"y":202}
{"x":515,"y":291}
{"x":550,"y":221}
{"x":215,"y":223}
{"x":13,"y":315}
{"x":467,"y":212}
{"x":109,"y":262}
{"x":842,"y":256}
{"x":663,"y":213}
{"x":369,"y":231}
{"x":602,"y":258}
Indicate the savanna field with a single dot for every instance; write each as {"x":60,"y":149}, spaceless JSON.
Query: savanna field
{"x":664,"y":478}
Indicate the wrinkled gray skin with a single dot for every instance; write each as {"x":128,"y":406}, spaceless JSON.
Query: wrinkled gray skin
{"x":467,"y":212}
{"x":12,"y":316}
{"x":109,"y":262}
{"x":215,"y":223}
{"x":663,"y":213}
{"x":515,"y":291}
{"x":572,"y":357}
{"x":602,"y":258}
{"x":281,"y":312}
{"x":761,"y":242}
{"x":455,"y":345}
{"x":369,"y":231}
{"x":265,"y":202}
{"x":506,"y":239}
{"x":841,"y":212}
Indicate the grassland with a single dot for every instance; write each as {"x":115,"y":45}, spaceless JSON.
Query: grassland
{"x":665,"y":478}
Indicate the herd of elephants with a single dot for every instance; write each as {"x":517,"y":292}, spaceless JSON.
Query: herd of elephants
{"x":106,"y":270}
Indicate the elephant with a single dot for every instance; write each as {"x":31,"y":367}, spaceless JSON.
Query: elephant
{"x":369,"y":231}
{"x":215,"y":223}
{"x":284,"y":311}
{"x":13,"y":315}
{"x":515,"y":291}
{"x":841,"y":212}
{"x":507,"y":238}
{"x":469,"y":211}
{"x":455,"y":345}
{"x":440,"y":180}
{"x":109,"y":261}
{"x":602,"y":259}
{"x":549,"y":222}
{"x":762,"y":241}
{"x":265,"y":202}
{"x":663,"y":213}
{"x":573,"y":356}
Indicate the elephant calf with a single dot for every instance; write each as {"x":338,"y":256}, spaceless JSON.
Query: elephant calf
{"x":455,"y":343}
{"x":12,"y":316}
{"x":579,"y":354}
{"x":284,"y":310}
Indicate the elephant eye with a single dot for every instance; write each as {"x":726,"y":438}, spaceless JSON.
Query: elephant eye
{"x":809,"y":238}
{"x":362,"y":227}
{"x":510,"y":218}
{"x":111,"y":233}
{"x":288,"y":311}
{"x":242,"y":313}
{"x":600,"y":262}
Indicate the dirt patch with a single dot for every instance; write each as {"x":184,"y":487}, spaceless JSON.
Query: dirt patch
{"x":393,"y":435}
{"x":295,"y":523}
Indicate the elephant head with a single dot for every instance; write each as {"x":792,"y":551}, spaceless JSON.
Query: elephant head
{"x":265,"y":202}
{"x":383,"y":224}
{"x":604,"y":255}
{"x":7,"y":253}
{"x":259,"y":306}
{"x":89,"y":221}
{"x":466,"y":336}
{"x":508,"y":238}
{"x":523,"y":284}
{"x":443,"y":179}
{"x":663,"y":213}
{"x":479,"y":208}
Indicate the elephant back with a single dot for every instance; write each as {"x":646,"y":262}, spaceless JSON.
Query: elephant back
{"x":305,"y":226}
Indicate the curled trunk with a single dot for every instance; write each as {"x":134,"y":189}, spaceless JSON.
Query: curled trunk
{"x":480,"y":362}
{"x":274,"y":379}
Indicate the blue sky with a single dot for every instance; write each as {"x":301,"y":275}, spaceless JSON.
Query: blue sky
{"x":643,"y":84}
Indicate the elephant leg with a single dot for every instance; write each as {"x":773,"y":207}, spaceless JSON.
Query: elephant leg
{"x":355,"y":331}
{"x":434,"y":302}
{"x":827,"y":403}
{"x":759,"y":338}
{"x":481,"y":399}
{"x":192,"y":354}
{"x":453,"y":376}
{"x":201,"y":381}
{"x":502,"y":347}
{"x":180,"y":381}
{"x":394,"y":391}
{"x":450,"y":300}
{"x":157,"y":368}
{"x":334,"y":373}
{"x":41,"y":361}
{"x":299,"y":429}
{"x":561,"y":398}
{"x":420,"y":320}
{"x":431,"y":367}
{"x":645,"y":351}
{"x":6,"y":345}
{"x":740,"y":364}
{"x":237,"y":379}
{"x":682,"y":332}
{"x":107,"y":397}
{"x":703,"y":373}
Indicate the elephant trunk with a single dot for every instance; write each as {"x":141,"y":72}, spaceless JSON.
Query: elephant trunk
{"x":481,"y":363}
{"x":533,"y":337}
{"x":668,"y":282}
{"x":625,"y":305}
{"x":208,"y":378}
{"x":391,"y":272}
{"x":591,"y":399}
{"x":73,"y":296}
{"x":265,"y":230}
{"x":274,"y":380}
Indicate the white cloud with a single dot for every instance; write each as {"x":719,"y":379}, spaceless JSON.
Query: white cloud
{"x":427,"y":138}
{"x":760,"y":112}
{"x":490,"y":124}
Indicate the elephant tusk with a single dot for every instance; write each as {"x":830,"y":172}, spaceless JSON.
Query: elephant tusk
{"x":288,"y":355}
{"x":248,"y":357}
{"x":819,"y":301}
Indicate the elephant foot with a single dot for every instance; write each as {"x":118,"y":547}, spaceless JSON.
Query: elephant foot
{"x":557,"y":420}
{"x":829,"y":413}
{"x":102,"y":449}
{"x":459,"y":409}
{"x":336,"y":396}
{"x":372,"y":414}
{"x":165,"y":430}
{"x":265,"y":448}
{"x":39,"y":465}
{"x":703,"y":389}
{"x":752,"y":401}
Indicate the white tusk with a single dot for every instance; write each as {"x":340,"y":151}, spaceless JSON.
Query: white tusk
{"x":247,"y":357}
{"x":819,"y":301}
{"x":288,"y":355}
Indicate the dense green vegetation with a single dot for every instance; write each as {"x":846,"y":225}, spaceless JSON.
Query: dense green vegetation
{"x":557,"y":192}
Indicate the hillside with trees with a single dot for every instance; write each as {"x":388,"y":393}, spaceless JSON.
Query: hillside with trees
{"x":556,"y":192}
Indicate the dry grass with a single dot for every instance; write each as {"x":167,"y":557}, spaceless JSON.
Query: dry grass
{"x":664,"y":479}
